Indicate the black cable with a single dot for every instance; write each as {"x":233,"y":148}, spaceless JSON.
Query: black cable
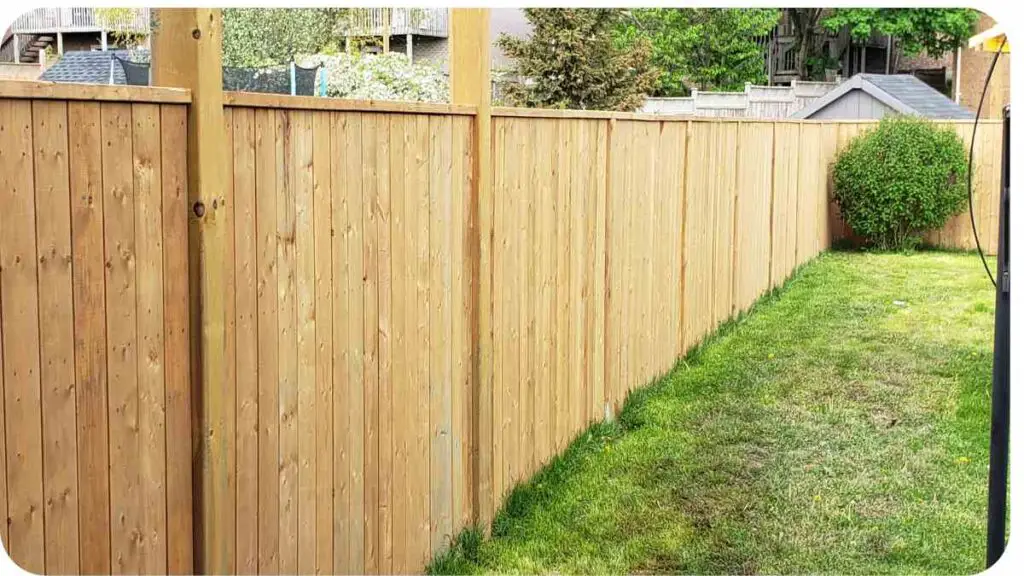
{"x":970,"y":162}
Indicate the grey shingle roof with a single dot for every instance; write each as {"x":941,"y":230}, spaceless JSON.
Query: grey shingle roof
{"x":904,"y":93}
{"x":90,"y":67}
{"x":918,"y":96}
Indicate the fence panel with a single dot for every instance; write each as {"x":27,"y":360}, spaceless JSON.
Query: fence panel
{"x":350,"y":254}
{"x":93,"y":318}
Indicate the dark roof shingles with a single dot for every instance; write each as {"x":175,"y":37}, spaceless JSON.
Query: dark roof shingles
{"x":919,"y":96}
{"x":89,"y":67}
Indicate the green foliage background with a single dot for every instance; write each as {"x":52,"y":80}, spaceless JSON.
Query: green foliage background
{"x":571,"y":60}
{"x":702,"y":48}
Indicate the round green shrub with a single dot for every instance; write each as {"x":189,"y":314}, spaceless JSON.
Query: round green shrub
{"x":903,"y":178}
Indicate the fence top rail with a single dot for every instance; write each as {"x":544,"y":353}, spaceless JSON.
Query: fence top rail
{"x":509,"y":112}
{"x":261,"y":100}
{"x":36,"y":90}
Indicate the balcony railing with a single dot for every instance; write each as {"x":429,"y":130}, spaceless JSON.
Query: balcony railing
{"x":43,"y":20}
{"x":397,"y":21}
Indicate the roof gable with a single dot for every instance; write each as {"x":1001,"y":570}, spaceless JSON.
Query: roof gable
{"x":904,"y":93}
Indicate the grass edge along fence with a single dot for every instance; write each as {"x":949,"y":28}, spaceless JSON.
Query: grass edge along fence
{"x":357,"y":421}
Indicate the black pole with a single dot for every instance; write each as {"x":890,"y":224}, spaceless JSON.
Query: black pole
{"x":999,"y":442}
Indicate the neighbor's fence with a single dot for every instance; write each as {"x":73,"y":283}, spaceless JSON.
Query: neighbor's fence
{"x":619,"y":242}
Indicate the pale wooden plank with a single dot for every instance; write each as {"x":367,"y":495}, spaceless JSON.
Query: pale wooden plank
{"x":150,"y":325}
{"x":354,"y":339}
{"x":19,"y":293}
{"x":528,"y":353}
{"x":562,"y":345}
{"x":419,"y":525}
{"x":246,"y":343}
{"x":268,"y":151}
{"x":396,"y":421}
{"x":600,"y":250}
{"x":3,"y":443}
{"x":178,"y":403}
{"x":440,"y":326}
{"x":513,"y":359}
{"x":500,"y":251}
{"x":389,"y":294}
{"x":324,"y":354}
{"x":56,"y":334}
{"x":220,"y":410}
{"x":462,"y":325}
{"x":287,"y":342}
{"x":306,"y":339}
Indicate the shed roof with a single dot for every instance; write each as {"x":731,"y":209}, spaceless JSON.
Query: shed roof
{"x":89,"y":66}
{"x":904,"y":93}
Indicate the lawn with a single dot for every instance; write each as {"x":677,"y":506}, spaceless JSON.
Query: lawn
{"x":841,"y":426}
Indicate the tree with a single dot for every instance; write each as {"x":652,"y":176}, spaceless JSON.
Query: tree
{"x":702,"y":48}
{"x":571,"y":60}
{"x":255,"y":37}
{"x":934,"y":31}
{"x":808,"y":40}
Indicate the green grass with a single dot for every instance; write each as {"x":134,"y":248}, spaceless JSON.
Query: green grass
{"x":841,"y":426}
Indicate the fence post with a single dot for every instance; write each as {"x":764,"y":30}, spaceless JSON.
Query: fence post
{"x":187,"y":53}
{"x":470,"y":60}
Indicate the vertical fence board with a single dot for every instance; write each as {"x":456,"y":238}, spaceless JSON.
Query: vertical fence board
{"x":119,"y":232}
{"x":387,"y":322}
{"x":324,"y":334}
{"x":246,"y":343}
{"x":150,"y":338}
{"x":346,"y":245}
{"x":267,"y":125}
{"x":305,"y":332}
{"x":56,"y":334}
{"x":178,"y":399}
{"x":90,"y":335}
{"x":441,"y":381}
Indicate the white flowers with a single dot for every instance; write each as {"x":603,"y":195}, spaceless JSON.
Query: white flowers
{"x":381,"y":77}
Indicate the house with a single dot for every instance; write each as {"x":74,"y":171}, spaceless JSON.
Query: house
{"x":973,"y":63}
{"x":422,"y":33}
{"x":69,"y":29}
{"x":872,"y":96}
{"x":877,"y":54}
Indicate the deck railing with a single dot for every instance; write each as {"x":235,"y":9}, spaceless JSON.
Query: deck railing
{"x":42,"y":20}
{"x":397,"y":21}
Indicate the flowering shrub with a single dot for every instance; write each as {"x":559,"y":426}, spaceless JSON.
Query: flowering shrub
{"x":381,"y":77}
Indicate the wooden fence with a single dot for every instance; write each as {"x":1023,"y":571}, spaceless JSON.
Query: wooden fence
{"x":357,"y":436}
{"x":94,"y":326}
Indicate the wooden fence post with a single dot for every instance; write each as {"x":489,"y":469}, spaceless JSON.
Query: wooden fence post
{"x":186,"y":48}
{"x":470,"y":65}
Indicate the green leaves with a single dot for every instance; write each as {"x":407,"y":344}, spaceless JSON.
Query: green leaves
{"x":903,"y":178}
{"x":255,"y":37}
{"x":571,"y":60}
{"x":702,"y":48}
{"x":934,"y":31}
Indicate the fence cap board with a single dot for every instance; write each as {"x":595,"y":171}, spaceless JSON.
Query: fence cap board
{"x":261,"y":100}
{"x":36,"y":90}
